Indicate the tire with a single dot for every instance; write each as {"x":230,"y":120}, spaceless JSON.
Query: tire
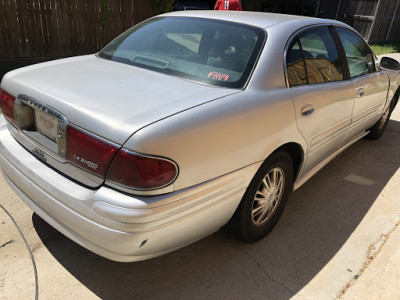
{"x":265,"y":198}
{"x":376,"y":131}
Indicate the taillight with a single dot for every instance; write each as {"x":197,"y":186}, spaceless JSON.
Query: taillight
{"x":138,"y":171}
{"x":88,"y":151}
{"x":125,"y":168}
{"x":7,"y":105}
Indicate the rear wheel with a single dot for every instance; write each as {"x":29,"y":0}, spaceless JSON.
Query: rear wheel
{"x":265,"y":198}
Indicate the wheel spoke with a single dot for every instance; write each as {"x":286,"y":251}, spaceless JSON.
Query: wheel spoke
{"x":275,"y":177}
{"x":265,"y":215}
{"x":267,"y":185}
{"x":257,"y":210}
{"x":280,"y":185}
{"x":269,"y":212}
{"x":260,"y":195}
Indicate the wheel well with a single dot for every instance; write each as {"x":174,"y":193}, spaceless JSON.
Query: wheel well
{"x":297,"y":154}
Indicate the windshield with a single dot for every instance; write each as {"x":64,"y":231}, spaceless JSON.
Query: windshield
{"x":213,"y":52}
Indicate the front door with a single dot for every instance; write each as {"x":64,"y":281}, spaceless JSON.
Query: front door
{"x":371,"y":86}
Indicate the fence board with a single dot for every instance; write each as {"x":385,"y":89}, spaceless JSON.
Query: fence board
{"x":60,"y":28}
{"x":12,"y":29}
{"x":45,"y":23}
{"x":21,"y":17}
{"x":3,"y":26}
{"x":79,"y":25}
{"x":53,"y":30}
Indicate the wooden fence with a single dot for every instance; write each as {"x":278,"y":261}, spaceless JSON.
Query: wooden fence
{"x":60,"y":28}
{"x":376,"y":20}
{"x":385,"y":25}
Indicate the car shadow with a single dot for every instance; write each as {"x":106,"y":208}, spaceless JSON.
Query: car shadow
{"x":318,"y":219}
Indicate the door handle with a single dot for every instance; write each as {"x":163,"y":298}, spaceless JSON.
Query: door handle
{"x":307,"y":110}
{"x":360,"y":92}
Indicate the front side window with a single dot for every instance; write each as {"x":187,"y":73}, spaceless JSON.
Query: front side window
{"x":313,"y":58}
{"x":214,"y":52}
{"x":359,"y":56}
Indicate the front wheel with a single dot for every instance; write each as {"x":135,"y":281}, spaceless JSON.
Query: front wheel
{"x":265,"y":198}
{"x":379,"y":127}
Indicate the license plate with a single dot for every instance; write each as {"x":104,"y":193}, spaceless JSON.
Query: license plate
{"x":46,"y":125}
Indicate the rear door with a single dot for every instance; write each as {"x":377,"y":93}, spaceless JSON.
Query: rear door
{"x":323,"y":99}
{"x":370,"y":85}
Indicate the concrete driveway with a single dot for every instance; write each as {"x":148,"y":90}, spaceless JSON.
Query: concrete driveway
{"x":338,"y":238}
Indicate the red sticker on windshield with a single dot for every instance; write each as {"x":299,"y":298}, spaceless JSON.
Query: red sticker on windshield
{"x":218,"y":76}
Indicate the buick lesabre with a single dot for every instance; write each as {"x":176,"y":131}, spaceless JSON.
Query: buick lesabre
{"x":186,"y":122}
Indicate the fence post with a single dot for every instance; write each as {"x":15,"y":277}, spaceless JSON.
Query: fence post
{"x":374,"y":20}
{"x":391,"y":23}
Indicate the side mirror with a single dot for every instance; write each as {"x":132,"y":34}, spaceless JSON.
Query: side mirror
{"x":389,"y":64}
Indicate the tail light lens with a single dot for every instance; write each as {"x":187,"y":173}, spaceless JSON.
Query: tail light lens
{"x":137,"y":171}
{"x":7,"y":105}
{"x":125,"y":168}
{"x":88,"y":151}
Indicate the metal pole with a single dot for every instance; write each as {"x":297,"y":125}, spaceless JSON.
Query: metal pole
{"x":391,"y":23}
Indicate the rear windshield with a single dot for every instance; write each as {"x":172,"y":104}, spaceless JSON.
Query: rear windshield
{"x":208,"y":51}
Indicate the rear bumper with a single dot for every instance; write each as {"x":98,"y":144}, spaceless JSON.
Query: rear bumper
{"x":114,"y":225}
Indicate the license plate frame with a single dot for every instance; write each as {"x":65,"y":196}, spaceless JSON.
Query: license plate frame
{"x":46,"y":125}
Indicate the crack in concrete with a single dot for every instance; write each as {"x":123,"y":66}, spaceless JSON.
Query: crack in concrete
{"x":373,"y":250}
{"x":7,"y":243}
{"x":269,"y":276}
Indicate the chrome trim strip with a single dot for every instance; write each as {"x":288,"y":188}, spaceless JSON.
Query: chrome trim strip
{"x":34,"y":103}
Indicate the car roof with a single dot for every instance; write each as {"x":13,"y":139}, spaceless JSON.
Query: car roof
{"x":259,"y":19}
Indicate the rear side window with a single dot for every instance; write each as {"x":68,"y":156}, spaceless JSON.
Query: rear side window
{"x":359,"y":56}
{"x":296,"y":71}
{"x":313,"y":58}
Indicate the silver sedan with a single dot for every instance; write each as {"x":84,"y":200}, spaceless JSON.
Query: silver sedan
{"x":186,"y":122}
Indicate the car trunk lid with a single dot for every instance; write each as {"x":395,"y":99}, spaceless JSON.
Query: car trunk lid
{"x":107,"y":98}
